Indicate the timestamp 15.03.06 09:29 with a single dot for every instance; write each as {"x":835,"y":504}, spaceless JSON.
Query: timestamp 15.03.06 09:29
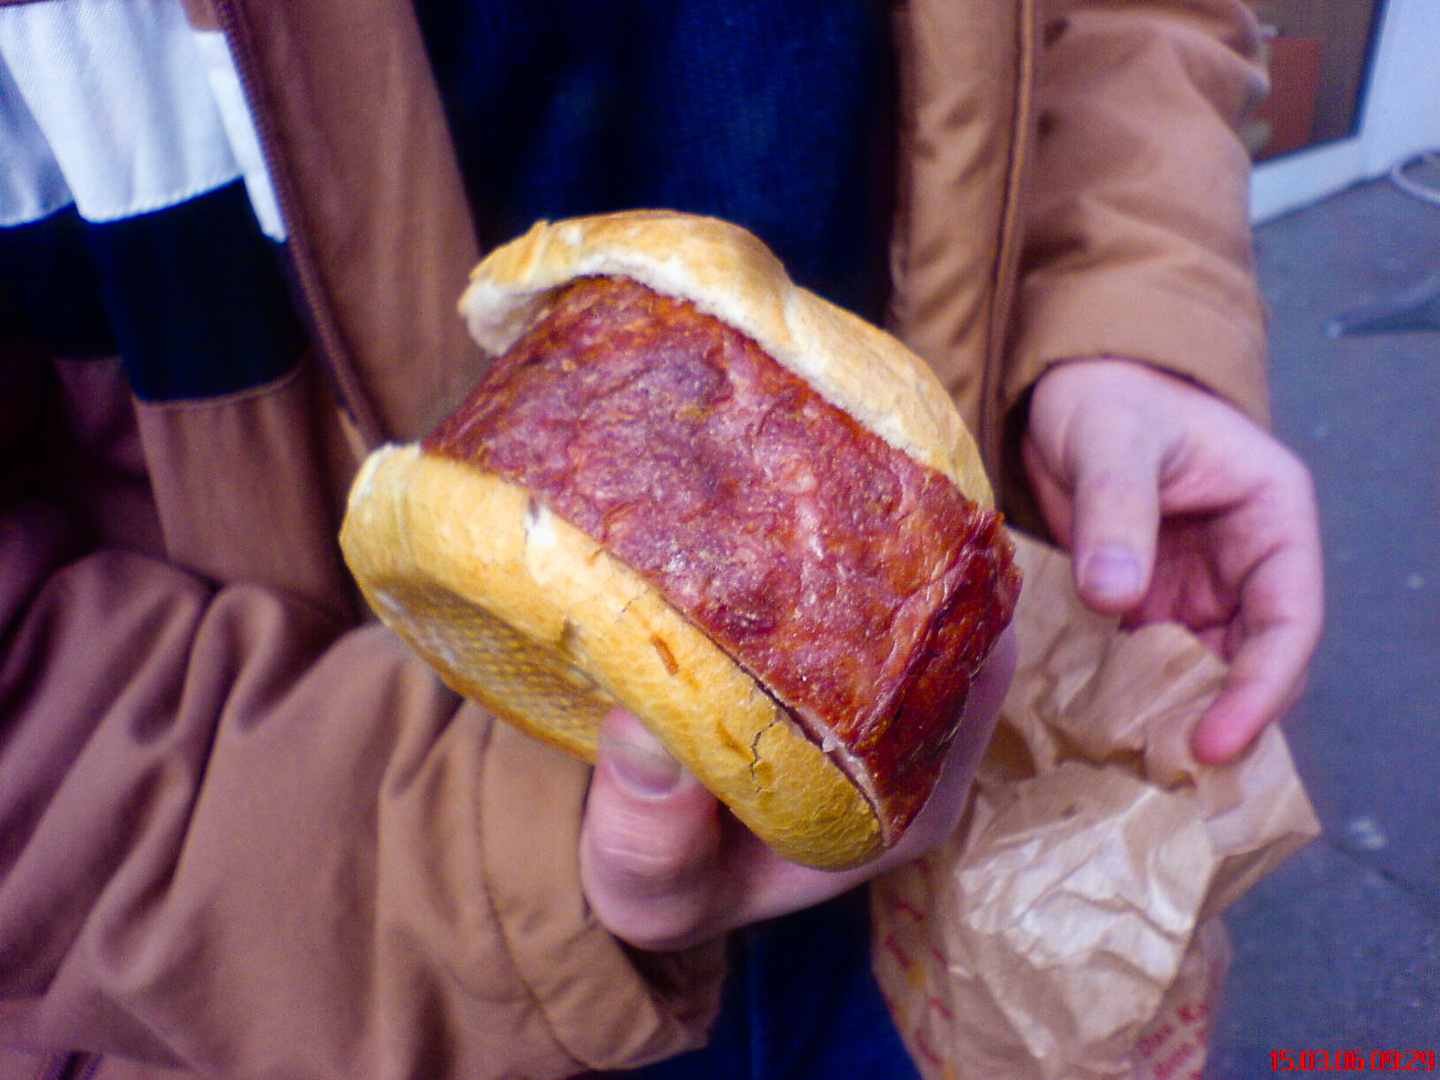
{"x":1396,"y":1061}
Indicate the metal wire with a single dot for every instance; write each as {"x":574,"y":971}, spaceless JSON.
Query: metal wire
{"x":1407,"y":183}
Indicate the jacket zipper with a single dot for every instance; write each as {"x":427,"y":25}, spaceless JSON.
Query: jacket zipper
{"x":1009,"y":241}
{"x":315,"y":307}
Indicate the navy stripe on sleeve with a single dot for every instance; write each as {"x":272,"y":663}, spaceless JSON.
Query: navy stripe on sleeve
{"x":50,"y":286}
{"x":197,"y":298}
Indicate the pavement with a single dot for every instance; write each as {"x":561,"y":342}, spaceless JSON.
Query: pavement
{"x":1339,"y":950}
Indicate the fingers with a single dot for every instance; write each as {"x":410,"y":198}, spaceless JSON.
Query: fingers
{"x":664,"y":866}
{"x":650,"y":842}
{"x":1259,"y":689}
{"x":1094,"y":451}
{"x":1120,"y":455}
{"x":1278,"y":628}
{"x":1116,"y":519}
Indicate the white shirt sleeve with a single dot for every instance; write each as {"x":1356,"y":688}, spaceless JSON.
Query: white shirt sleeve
{"x":31,"y":183}
{"x":137,"y":111}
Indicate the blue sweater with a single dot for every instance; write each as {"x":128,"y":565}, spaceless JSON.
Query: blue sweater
{"x":772,"y":115}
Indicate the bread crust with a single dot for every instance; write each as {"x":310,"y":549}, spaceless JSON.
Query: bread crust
{"x":726,"y":272}
{"x":519,"y":610}
{"x":523,"y":612}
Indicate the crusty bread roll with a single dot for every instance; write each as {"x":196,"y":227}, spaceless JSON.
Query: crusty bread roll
{"x":525,"y":612}
{"x":730,"y":274}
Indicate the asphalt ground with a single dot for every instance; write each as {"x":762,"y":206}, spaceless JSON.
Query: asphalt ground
{"x":1339,"y":950}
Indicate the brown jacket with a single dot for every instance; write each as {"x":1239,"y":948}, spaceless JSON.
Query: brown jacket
{"x":242,"y":832}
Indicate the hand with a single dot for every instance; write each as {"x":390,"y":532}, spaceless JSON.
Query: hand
{"x":1176,"y":506}
{"x":665,"y":866}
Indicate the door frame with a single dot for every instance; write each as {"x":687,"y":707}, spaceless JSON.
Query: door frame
{"x":1399,"y":118}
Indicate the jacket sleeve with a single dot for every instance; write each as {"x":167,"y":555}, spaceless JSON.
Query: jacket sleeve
{"x":1137,"y":242}
{"x":238,"y":837}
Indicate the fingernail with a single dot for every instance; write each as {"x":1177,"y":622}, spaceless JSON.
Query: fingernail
{"x":647,"y":774}
{"x":1111,"y":571}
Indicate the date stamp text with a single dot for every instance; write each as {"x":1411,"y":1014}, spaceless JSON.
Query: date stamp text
{"x":1394,"y":1061}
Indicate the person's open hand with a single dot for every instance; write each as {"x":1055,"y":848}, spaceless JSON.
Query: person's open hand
{"x":664,"y":865}
{"x":1176,"y":506}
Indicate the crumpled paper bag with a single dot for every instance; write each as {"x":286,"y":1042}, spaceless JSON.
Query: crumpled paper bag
{"x":1068,"y":930}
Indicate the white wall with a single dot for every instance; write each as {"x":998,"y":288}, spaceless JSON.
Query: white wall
{"x":1400,"y":118}
{"x":1402,"y":110}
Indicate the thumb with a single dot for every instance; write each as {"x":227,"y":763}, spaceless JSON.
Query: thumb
{"x":1116,"y":517}
{"x":650,"y":841}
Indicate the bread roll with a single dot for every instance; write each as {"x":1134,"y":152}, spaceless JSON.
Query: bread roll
{"x":547,"y":551}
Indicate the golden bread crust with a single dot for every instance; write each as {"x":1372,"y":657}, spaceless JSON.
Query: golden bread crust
{"x":524,"y":613}
{"x":728,"y":273}
{"x":528,"y":615}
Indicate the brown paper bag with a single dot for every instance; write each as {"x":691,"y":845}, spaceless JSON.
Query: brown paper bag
{"x":1068,"y":930}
